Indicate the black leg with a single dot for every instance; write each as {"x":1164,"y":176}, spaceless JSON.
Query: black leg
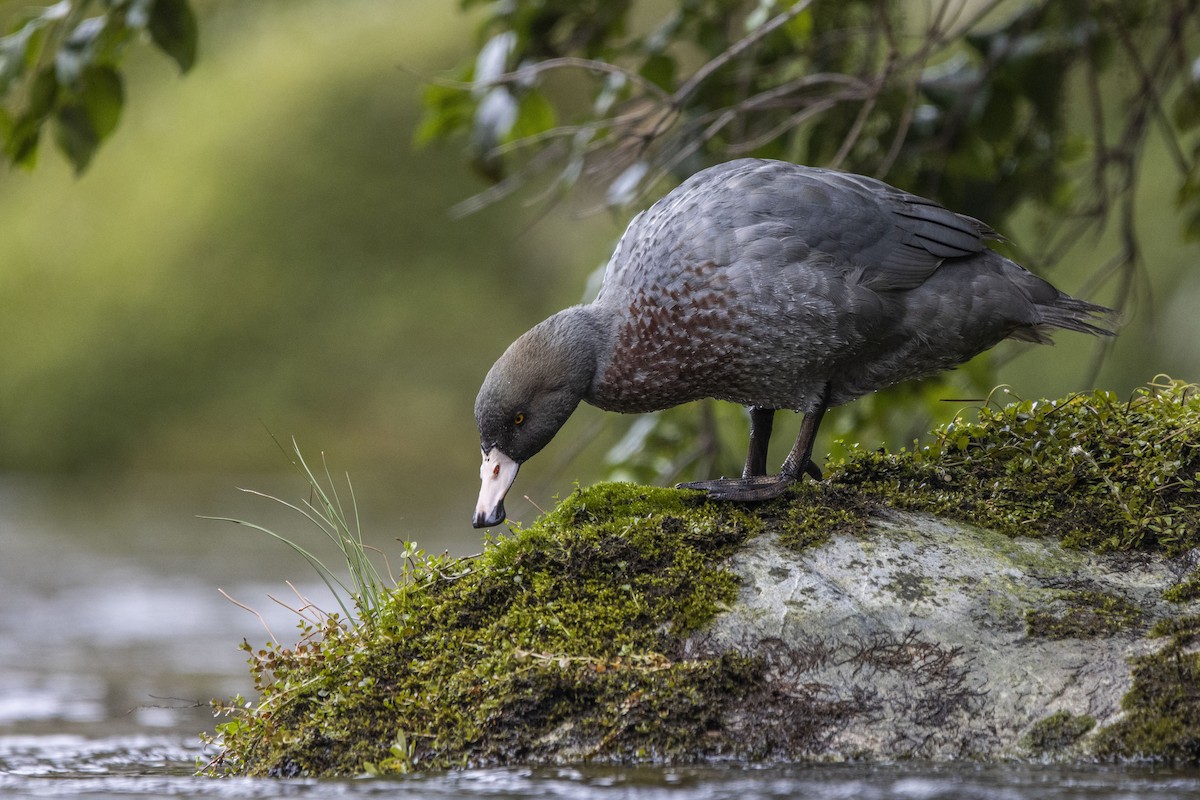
{"x":765,"y":487}
{"x":799,"y":460}
{"x":761,"y":422}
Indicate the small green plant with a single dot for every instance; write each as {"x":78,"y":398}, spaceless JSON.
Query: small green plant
{"x":399,"y":760}
{"x":323,"y":508}
{"x":287,"y":677}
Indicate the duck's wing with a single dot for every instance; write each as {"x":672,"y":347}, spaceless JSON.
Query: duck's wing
{"x":890,"y":239}
{"x":757,"y":218}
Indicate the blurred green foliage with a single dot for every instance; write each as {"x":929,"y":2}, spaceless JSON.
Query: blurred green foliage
{"x":261,"y":247}
{"x":967,"y":102}
{"x":61,"y":65}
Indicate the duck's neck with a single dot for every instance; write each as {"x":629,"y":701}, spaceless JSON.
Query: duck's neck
{"x":580,"y":337}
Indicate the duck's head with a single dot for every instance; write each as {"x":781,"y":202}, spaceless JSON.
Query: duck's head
{"x":526,"y":397}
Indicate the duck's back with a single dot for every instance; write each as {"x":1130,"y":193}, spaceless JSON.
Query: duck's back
{"x":760,"y":281}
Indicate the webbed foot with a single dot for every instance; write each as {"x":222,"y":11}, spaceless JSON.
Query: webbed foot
{"x":759,"y":487}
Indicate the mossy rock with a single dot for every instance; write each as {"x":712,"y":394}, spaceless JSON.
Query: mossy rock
{"x":1018,"y":588}
{"x":922,"y":624}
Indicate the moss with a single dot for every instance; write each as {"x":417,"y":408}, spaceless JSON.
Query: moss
{"x":1057,"y":732}
{"x":1182,"y":631}
{"x":1162,"y":709}
{"x":1082,"y":614}
{"x":1186,"y":590}
{"x":1099,"y":472}
{"x":812,"y":513}
{"x":575,"y":637}
{"x":574,"y":627}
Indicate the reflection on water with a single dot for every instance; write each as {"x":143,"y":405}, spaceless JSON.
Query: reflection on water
{"x":113,"y":638}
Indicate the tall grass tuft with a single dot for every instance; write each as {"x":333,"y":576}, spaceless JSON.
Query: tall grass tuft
{"x":367,"y":590}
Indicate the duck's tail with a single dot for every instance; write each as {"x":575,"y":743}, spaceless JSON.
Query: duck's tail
{"x":1072,"y":314}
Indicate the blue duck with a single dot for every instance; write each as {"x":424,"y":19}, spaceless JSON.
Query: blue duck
{"x":772,"y":285}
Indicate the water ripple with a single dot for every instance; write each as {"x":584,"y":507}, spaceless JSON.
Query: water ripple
{"x":143,"y":766}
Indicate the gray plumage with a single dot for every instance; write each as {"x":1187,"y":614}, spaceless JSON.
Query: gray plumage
{"x":774,"y":286}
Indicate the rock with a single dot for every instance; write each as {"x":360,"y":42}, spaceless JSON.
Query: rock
{"x":936,"y":639}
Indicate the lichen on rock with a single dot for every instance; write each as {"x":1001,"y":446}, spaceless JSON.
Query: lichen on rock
{"x":1020,"y":587}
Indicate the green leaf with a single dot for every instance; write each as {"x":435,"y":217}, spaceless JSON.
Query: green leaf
{"x":42,"y":94}
{"x":22,"y":141}
{"x":21,"y":137}
{"x":173,"y":28}
{"x":660,"y":70}
{"x":102,"y":96}
{"x":75,"y":135}
{"x":78,"y":50}
{"x":13,"y":55}
{"x":448,"y":110}
{"x":800,"y":27}
{"x":535,"y":114}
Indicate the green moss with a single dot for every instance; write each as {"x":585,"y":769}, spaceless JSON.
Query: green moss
{"x":573,"y":628}
{"x":1082,"y":614}
{"x":1162,"y":709}
{"x":1182,"y":631}
{"x":1186,"y":590}
{"x":813,"y":513}
{"x":1057,"y":732}
{"x":1097,"y":471}
{"x":574,"y":635}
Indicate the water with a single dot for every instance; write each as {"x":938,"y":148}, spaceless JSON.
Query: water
{"x":152,"y":766}
{"x":113,"y":638}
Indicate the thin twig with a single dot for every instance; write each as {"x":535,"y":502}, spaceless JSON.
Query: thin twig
{"x":528,"y":72}
{"x":856,"y":129}
{"x":262,"y":621}
{"x":689,"y":87}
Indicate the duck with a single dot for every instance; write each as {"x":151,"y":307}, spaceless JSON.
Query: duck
{"x":775,"y":286}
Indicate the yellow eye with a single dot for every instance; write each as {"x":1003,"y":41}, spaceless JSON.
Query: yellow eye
{"x":519,"y":418}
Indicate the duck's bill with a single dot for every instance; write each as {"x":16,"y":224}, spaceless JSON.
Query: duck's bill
{"x":497,"y":474}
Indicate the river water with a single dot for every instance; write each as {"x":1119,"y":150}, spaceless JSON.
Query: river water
{"x":114,"y":637}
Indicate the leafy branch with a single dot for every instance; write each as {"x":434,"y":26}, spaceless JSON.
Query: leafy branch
{"x":971,"y":107}
{"x":59,"y":66}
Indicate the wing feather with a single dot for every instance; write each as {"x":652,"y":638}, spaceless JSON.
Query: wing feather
{"x":888,"y":239}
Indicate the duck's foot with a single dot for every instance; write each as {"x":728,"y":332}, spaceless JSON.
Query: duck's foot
{"x":759,"y":487}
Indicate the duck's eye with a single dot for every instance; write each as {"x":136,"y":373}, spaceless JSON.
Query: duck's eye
{"x":519,"y":418}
